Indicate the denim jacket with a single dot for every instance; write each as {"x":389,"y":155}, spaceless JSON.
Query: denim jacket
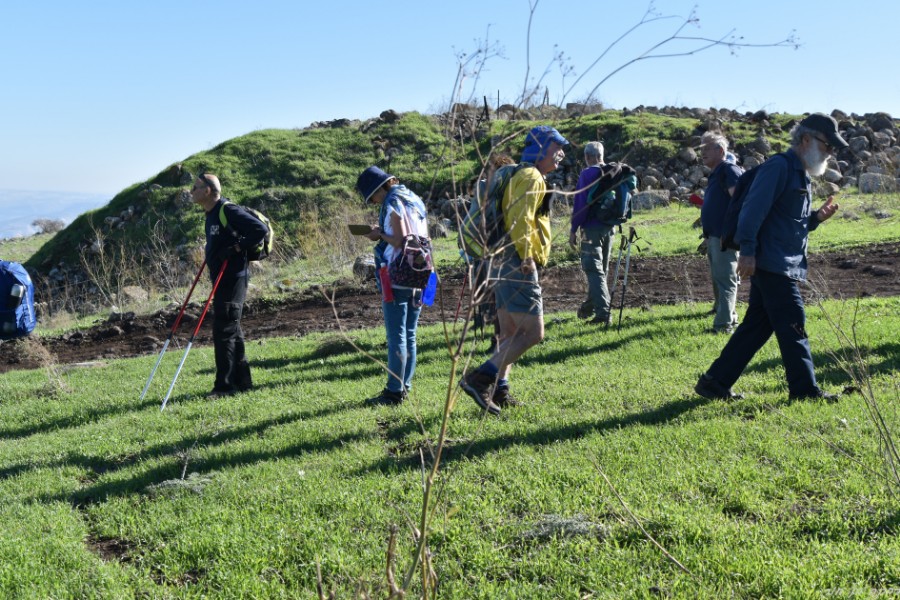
{"x":398,"y":194}
{"x":777,"y":216}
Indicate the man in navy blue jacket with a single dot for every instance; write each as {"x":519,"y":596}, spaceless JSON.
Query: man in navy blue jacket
{"x":722,"y":263}
{"x":773,"y":230}
{"x":230,"y":232}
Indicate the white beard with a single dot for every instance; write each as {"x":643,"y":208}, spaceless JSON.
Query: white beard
{"x":815,"y":160}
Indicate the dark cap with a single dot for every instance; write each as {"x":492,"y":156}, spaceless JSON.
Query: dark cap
{"x":370,"y":180}
{"x":827,"y":126}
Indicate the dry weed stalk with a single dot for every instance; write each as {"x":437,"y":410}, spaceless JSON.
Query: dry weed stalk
{"x":850,"y":357}
{"x":637,"y":522}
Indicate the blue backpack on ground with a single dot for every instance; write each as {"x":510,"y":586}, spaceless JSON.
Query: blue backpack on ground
{"x":609,"y":198}
{"x":733,"y":212}
{"x":17,"y":318}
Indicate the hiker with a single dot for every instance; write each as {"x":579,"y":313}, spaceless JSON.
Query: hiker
{"x":229,"y":243}
{"x":401,"y":213}
{"x":596,"y":239}
{"x":486,"y":308}
{"x":722,"y":262}
{"x":517,"y":292}
{"x":773,"y":231}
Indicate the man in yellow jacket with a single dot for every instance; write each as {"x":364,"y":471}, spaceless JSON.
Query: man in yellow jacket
{"x":514,"y":275}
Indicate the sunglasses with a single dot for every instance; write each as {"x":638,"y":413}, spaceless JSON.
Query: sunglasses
{"x":202,"y":177}
{"x":828,"y":147}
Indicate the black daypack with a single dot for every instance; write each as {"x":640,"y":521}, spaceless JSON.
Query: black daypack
{"x":609,"y":198}
{"x":733,"y":212}
{"x":264,"y":248}
{"x":483,"y":230}
{"x":17,"y":316}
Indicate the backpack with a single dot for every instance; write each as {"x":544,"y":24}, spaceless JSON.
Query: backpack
{"x":482,"y":229}
{"x":264,"y":248}
{"x":609,"y":198}
{"x":733,"y":212}
{"x":17,"y":317}
{"x":412,"y":265}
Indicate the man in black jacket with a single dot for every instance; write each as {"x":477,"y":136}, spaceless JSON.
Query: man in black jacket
{"x":230,"y":231}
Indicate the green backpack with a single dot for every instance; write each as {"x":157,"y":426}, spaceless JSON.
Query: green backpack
{"x":483,"y":230}
{"x":264,"y":248}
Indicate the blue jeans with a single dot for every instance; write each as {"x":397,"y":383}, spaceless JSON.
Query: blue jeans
{"x":401,"y":317}
{"x":596,"y":245}
{"x":723,"y":269}
{"x":775,"y":307}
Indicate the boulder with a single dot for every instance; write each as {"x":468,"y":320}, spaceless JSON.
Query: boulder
{"x":364,"y":267}
{"x":871,"y":183}
{"x":650,"y":199}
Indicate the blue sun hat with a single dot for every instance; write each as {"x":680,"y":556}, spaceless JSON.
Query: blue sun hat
{"x":370,"y":180}
{"x":538,"y":141}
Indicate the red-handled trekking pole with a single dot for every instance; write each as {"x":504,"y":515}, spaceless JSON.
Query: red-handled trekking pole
{"x":174,"y":327}
{"x":193,"y":335}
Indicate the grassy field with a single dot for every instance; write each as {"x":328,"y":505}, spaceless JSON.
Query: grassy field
{"x":104,"y":496}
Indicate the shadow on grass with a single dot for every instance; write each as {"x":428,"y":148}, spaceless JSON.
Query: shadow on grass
{"x":77,"y":418}
{"x":540,"y":437}
{"x":98,"y":466}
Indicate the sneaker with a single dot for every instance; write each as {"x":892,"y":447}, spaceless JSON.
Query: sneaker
{"x":387,"y":398}
{"x":504,"y":399}
{"x":727,"y":330}
{"x":480,"y":386}
{"x":713,"y":390}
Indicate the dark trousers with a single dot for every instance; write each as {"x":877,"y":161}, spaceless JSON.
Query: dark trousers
{"x":775,"y":307}
{"x":232,"y":368}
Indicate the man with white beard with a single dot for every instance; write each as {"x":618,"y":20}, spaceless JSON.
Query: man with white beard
{"x":772,"y":231}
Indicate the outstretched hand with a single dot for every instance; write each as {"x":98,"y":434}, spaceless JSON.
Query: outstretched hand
{"x":827,"y":210}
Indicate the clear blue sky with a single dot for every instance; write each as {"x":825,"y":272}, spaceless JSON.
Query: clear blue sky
{"x":101,"y":94}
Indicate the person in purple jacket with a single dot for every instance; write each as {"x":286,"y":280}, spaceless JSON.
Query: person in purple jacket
{"x":230,"y":232}
{"x":596,"y":239}
{"x":773,"y":230}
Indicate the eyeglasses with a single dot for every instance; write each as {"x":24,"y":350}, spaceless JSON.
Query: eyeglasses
{"x":828,"y":147}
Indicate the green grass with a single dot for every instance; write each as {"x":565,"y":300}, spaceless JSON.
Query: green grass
{"x":746,"y":494}
{"x":20,"y":249}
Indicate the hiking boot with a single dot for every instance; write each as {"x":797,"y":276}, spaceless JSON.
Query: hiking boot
{"x":819,"y":394}
{"x":387,"y":398}
{"x":606,"y":321}
{"x":585,"y":310}
{"x":504,"y":399}
{"x":480,"y":386}
{"x":713,"y":390}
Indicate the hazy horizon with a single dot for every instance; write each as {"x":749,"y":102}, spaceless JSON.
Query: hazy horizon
{"x":20,"y":208}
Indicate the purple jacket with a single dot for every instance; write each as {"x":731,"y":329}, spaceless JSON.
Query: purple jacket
{"x":581,"y":216}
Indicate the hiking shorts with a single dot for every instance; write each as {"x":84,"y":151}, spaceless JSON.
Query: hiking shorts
{"x":514,"y":291}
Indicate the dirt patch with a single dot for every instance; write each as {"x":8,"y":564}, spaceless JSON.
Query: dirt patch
{"x":867,"y":271}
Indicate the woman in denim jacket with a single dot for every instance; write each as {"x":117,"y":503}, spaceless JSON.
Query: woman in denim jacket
{"x":402,"y":213}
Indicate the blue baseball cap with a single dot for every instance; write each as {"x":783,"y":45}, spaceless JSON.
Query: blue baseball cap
{"x":538,"y":140}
